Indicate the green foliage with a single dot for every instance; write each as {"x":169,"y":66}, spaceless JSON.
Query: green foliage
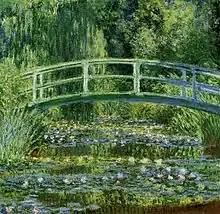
{"x":187,"y":122}
{"x":200,"y":124}
{"x":47,"y":32}
{"x":20,"y":130}
{"x":150,"y":14}
{"x":213,"y":9}
{"x":145,"y":44}
{"x":19,"y":133}
{"x":10,"y":85}
{"x":153,"y":112}
{"x":113,"y":108}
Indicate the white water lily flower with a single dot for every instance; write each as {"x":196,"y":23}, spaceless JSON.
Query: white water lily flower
{"x":181,"y":177}
{"x":170,"y":177}
{"x":120,"y":175}
{"x":168,"y":169}
{"x":35,"y":210}
{"x":83,"y":179}
{"x":45,"y":136}
{"x":104,"y":178}
{"x":25,"y":184}
{"x":192,"y":175}
{"x":40,"y":179}
{"x":66,"y":181}
{"x":94,"y":207}
{"x":182,"y":171}
{"x":160,"y":175}
{"x":123,"y":141}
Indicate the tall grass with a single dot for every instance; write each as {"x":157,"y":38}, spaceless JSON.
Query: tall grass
{"x":19,"y":133}
{"x":200,"y":124}
{"x":20,"y":129}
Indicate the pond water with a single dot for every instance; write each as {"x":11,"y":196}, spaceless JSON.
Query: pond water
{"x":113,"y":167}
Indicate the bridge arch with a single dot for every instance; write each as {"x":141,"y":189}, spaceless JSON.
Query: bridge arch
{"x":190,"y":76}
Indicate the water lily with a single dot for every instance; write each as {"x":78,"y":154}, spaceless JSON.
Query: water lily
{"x":35,"y":210}
{"x":182,"y":171}
{"x":40,"y":179}
{"x":192,"y":175}
{"x":120,"y":175}
{"x":170,"y":177}
{"x":152,"y":180}
{"x":181,"y":177}
{"x":198,"y":179}
{"x":66,"y":181}
{"x":123,"y":141}
{"x":25,"y":184}
{"x":94,"y":207}
{"x":168,"y":169}
{"x":83,"y":179}
{"x":45,"y":136}
{"x":104,"y":178}
{"x":160,"y":175}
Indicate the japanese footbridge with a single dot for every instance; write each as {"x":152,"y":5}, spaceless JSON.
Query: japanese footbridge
{"x":72,"y":82}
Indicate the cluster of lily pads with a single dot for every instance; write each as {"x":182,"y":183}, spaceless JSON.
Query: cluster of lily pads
{"x":33,"y":205}
{"x":118,"y":141}
{"x":110,"y":166}
{"x":101,"y":181}
{"x":70,"y":135}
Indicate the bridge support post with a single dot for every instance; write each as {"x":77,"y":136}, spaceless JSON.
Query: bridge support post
{"x":194,"y":95}
{"x":85,"y":65}
{"x":34,"y":87}
{"x":136,"y":75}
{"x":41,"y":84}
{"x":183,"y":87}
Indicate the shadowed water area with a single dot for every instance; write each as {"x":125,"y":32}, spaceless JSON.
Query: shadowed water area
{"x":113,"y":167}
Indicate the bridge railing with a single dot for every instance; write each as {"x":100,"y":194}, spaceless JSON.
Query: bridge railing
{"x":192,"y":73}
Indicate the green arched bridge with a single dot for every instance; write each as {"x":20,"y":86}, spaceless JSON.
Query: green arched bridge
{"x":123,"y":79}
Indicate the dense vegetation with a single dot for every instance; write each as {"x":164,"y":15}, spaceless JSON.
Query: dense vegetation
{"x":39,"y":33}
{"x":36,"y":33}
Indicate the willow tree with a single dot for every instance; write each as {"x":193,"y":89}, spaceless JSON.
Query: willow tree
{"x":49,"y":32}
{"x":40,"y":33}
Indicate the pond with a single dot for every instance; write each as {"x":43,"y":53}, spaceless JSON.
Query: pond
{"x":113,"y":167}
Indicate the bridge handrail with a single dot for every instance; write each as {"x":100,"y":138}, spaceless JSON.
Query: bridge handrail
{"x":136,"y":76}
{"x":122,"y":61}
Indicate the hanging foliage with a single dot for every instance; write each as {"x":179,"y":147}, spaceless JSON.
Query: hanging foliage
{"x":45,"y":32}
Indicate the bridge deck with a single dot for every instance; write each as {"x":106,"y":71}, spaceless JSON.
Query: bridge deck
{"x":45,"y":94}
